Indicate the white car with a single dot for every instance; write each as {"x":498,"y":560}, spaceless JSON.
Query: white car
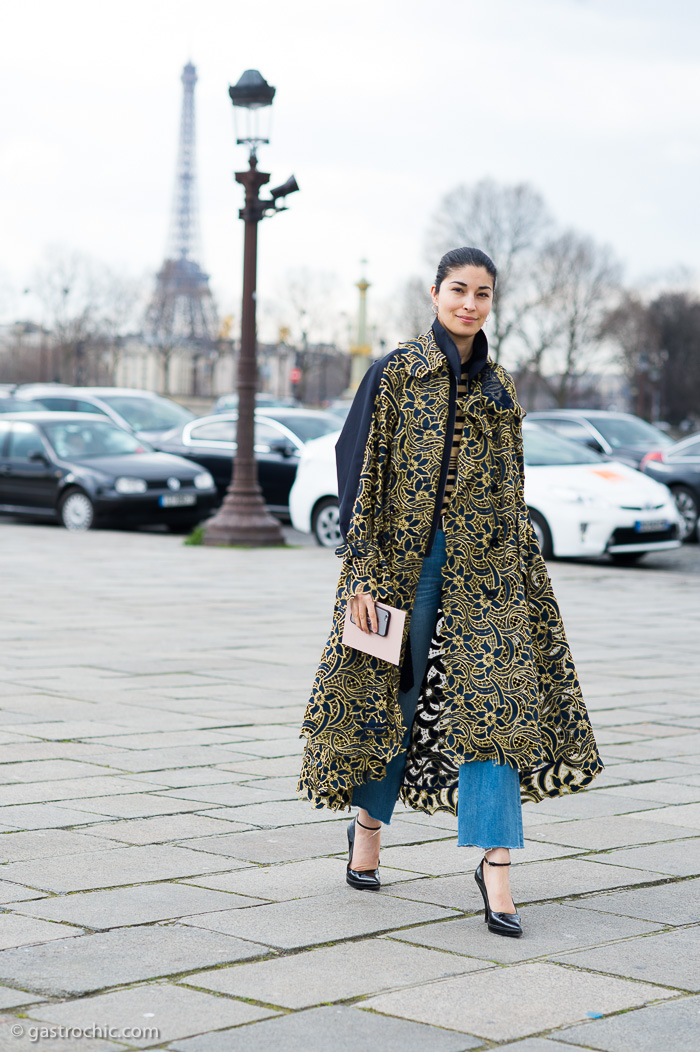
{"x":580,"y":504}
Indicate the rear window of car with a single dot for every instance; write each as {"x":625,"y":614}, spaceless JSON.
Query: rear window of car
{"x":544,"y":448}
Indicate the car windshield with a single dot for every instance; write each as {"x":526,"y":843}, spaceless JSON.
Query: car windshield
{"x":307,"y":426}
{"x":630,"y":431}
{"x":543,"y":447}
{"x":77,"y":440}
{"x":148,"y":414}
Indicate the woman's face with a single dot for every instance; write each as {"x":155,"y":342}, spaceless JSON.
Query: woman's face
{"x":464,"y":300}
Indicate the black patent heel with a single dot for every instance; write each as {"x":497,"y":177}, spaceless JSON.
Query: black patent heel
{"x":499,"y":923}
{"x":360,"y":879}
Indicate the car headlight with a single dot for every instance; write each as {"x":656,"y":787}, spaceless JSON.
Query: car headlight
{"x":127,"y":485}
{"x":572,"y":496}
{"x":204,"y":481}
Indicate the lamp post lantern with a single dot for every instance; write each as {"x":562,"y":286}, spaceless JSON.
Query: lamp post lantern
{"x":243,"y":518}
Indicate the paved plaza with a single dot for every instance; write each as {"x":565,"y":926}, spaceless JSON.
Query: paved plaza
{"x":162,"y":886}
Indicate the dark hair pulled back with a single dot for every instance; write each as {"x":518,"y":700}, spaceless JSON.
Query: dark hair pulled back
{"x":464,"y":257}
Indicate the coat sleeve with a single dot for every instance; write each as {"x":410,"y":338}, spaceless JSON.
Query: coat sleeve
{"x":362,"y":457}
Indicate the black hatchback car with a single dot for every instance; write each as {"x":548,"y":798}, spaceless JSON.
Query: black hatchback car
{"x":280,"y":436}
{"x":82,"y":469}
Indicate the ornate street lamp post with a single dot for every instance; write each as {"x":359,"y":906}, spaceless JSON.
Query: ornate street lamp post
{"x":242,"y":517}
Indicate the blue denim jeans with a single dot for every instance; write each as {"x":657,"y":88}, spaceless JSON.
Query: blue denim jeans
{"x":488,"y":810}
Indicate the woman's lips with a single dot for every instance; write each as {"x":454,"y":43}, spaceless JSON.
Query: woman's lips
{"x":468,"y":320}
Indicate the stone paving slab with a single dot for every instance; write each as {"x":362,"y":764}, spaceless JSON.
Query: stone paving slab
{"x":11,"y":998}
{"x":132,"y":805}
{"x":16,"y":847}
{"x":547,"y":929}
{"x":671,"y":958}
{"x":343,"y":914}
{"x":103,"y":869}
{"x":475,"y":1003}
{"x":43,"y":816}
{"x":334,"y":973}
{"x":612,"y":831}
{"x":670,"y":904}
{"x":163,"y":828}
{"x":337,"y":1028}
{"x":16,"y":893}
{"x":288,"y":844}
{"x":680,"y":858}
{"x":68,"y":789}
{"x":672,"y":1025}
{"x":76,"y":966}
{"x":140,"y":904}
{"x":21,"y":931}
{"x":175,"y":1011}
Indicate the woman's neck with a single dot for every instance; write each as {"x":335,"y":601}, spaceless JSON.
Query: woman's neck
{"x":465,"y":346}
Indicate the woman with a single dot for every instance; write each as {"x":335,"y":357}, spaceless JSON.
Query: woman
{"x":430,"y":470}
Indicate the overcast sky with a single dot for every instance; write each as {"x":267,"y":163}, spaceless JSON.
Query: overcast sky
{"x":382,"y":106}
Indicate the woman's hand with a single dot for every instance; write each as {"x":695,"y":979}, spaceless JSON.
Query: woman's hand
{"x":362,"y":610}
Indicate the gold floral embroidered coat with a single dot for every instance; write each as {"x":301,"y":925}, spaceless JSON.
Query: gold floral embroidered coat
{"x":501,"y":682}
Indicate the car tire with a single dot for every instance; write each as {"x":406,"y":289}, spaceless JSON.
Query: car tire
{"x":689,"y":510}
{"x":325,"y":523}
{"x":542,"y":533}
{"x":627,"y":558}
{"x":76,"y":511}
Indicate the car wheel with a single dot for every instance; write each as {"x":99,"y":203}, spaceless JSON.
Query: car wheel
{"x":325,"y":523}
{"x":626,"y":558}
{"x":688,"y":509}
{"x":542,"y":533}
{"x":76,"y":511}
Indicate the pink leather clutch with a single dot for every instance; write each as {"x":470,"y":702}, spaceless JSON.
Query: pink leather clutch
{"x":387,"y":647}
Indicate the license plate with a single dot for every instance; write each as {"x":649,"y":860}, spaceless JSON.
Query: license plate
{"x":653,"y":526}
{"x":176,"y":500}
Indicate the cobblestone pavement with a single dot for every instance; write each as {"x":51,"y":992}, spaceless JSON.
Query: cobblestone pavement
{"x":161,"y":885}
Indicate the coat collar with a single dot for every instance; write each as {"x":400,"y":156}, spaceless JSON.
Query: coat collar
{"x":428,"y":353}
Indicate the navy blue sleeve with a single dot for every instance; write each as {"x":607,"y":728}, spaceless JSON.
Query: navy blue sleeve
{"x":351,"y":445}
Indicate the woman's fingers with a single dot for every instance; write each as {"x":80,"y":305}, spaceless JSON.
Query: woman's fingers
{"x":367,"y":613}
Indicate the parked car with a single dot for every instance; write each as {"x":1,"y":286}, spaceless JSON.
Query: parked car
{"x":279,"y":439}
{"x":17,"y":405}
{"x":145,"y":414}
{"x":580,"y":504}
{"x":229,"y":402}
{"x":621,"y":436}
{"x":81,"y":469}
{"x":678,"y":467}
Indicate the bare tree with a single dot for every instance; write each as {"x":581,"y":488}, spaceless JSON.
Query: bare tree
{"x":575,"y":281}
{"x":414,"y":307}
{"x":87,"y":307}
{"x":508,"y":222}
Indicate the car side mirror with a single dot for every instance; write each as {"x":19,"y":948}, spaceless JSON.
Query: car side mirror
{"x":594,"y":444}
{"x":37,"y":456}
{"x":283,"y":446}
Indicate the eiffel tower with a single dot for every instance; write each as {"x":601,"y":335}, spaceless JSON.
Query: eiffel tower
{"x":182,"y":313}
